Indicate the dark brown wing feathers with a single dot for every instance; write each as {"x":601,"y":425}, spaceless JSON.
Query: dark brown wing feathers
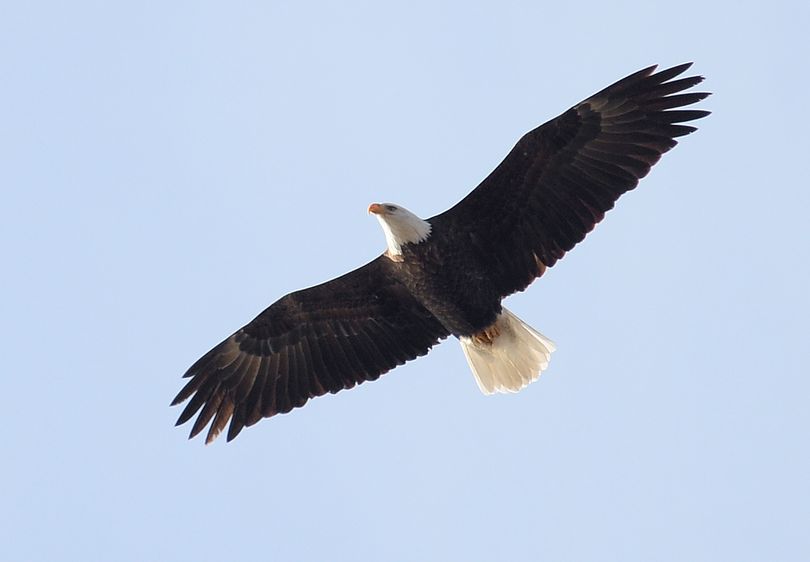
{"x":323,"y":339}
{"x":559,"y":180}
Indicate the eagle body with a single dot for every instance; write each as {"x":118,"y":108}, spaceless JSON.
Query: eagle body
{"x":451,"y":281}
{"x":448,"y":275}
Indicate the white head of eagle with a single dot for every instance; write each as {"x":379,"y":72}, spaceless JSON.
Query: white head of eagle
{"x":400,"y":226}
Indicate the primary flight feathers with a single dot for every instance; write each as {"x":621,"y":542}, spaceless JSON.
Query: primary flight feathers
{"x":448,"y":274}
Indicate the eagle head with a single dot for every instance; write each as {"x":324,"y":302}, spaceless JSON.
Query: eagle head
{"x":400,"y":226}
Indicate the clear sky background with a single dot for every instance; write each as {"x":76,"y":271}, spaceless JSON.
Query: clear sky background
{"x":171,"y":168}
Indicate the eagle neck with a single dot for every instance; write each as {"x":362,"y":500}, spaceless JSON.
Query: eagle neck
{"x":400,"y":231}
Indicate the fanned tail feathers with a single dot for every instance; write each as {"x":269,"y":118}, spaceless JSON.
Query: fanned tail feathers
{"x":508,"y":355}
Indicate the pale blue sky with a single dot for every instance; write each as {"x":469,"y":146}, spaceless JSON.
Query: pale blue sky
{"x":171,"y":168}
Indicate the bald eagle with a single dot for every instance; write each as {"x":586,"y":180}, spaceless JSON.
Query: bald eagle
{"x":447,"y":275}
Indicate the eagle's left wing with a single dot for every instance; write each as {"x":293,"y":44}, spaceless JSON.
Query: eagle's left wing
{"x":561,"y":178}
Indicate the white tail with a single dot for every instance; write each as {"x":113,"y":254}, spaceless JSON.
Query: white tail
{"x":509,"y":356}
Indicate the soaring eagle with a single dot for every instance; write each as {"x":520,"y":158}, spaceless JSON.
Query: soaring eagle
{"x":447,"y":275}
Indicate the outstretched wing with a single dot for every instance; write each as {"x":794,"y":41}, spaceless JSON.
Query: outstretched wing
{"x":561,"y":178}
{"x":322,"y":339}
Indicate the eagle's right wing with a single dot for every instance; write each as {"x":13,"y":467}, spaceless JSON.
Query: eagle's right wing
{"x":310,"y":342}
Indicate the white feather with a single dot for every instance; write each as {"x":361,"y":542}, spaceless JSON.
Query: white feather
{"x":515,"y":358}
{"x":402,"y":227}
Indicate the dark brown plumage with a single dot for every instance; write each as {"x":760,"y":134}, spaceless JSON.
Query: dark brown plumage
{"x":559,"y":180}
{"x":547,"y":194}
{"x":310,"y":342}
